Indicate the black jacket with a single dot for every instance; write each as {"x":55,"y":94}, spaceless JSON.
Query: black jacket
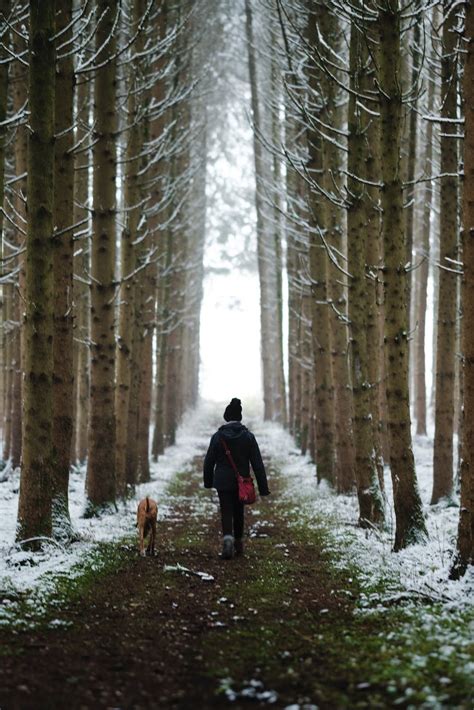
{"x":218,"y":472}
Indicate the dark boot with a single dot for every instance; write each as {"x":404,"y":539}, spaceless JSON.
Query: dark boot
{"x":228,"y":547}
{"x":238,"y":547}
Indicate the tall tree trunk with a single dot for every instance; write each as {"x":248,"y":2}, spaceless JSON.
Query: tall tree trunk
{"x":128,"y":255}
{"x":320,"y":324}
{"x":446,"y":331}
{"x":101,"y":462}
{"x":160,"y":234}
{"x":412,"y":148}
{"x":34,"y":510}
{"x":332,"y":116}
{"x":410,"y":525}
{"x":5,"y":290}
{"x":82,"y":269}
{"x":163,"y":321}
{"x":374,"y":296}
{"x":63,"y":276}
{"x":278,"y":361}
{"x":273,"y":396}
{"x":422,"y":290}
{"x":366,"y":473}
{"x":465,"y":539}
{"x":20,"y":85}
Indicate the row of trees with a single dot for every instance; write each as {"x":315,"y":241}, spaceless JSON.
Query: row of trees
{"x":103,"y":132}
{"x":358,"y":119}
{"x":357,"y":110}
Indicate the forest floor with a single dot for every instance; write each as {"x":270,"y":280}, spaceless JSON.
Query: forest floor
{"x":279,"y":626}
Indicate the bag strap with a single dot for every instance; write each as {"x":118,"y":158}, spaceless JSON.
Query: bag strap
{"x":229,"y":456}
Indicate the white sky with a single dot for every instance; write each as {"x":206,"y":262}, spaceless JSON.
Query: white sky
{"x":230,"y":337}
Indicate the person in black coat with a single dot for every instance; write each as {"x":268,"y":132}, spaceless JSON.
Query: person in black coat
{"x":219,"y":474}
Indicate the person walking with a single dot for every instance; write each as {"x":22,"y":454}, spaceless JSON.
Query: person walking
{"x":219,"y":474}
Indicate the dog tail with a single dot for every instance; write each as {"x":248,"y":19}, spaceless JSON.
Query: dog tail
{"x":147,"y":505}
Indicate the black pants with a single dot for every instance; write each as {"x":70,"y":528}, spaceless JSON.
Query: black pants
{"x":232,"y":513}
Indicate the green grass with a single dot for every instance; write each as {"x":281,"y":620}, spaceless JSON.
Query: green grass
{"x":39,"y":607}
{"x":411,"y":656}
{"x":405,"y":655}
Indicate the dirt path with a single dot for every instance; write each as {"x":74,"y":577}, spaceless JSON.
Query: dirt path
{"x":272,"y":628}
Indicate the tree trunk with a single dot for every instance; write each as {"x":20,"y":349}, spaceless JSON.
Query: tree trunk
{"x":20,"y":85}
{"x":410,"y":525}
{"x":82,"y":269}
{"x":5,"y":289}
{"x":320,"y":325}
{"x":128,"y":254}
{"x":270,"y":334}
{"x":448,"y":253}
{"x":63,"y":276}
{"x":412,"y":148}
{"x":368,"y":488}
{"x":162,"y":338}
{"x":278,"y":185}
{"x":465,"y":539}
{"x":423,"y":272}
{"x":101,"y":462}
{"x":34,"y":511}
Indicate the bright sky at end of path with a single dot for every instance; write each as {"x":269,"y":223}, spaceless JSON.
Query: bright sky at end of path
{"x":230,"y":337}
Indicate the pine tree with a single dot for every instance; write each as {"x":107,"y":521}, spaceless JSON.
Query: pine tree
{"x":34,"y":512}
{"x":368,"y":489}
{"x":465,"y":539}
{"x":101,"y":462}
{"x":63,"y":274}
{"x":410,"y":525}
{"x":448,"y":253}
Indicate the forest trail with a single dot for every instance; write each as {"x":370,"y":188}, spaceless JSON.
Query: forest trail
{"x":272,"y":628}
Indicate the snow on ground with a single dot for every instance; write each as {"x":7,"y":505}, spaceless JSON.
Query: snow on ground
{"x":20,"y":569}
{"x":419,"y":570}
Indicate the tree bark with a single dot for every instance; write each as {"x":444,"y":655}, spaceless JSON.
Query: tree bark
{"x":63,"y":378}
{"x":128,"y":255}
{"x":410,"y":525}
{"x":423,"y":273}
{"x":371,"y":509}
{"x":20,"y":94}
{"x":270,"y":334}
{"x":34,"y":511}
{"x":447,"y":311}
{"x":101,"y":463}
{"x":6,"y":290}
{"x":82,"y":269}
{"x":465,"y":540}
{"x":320,"y":325}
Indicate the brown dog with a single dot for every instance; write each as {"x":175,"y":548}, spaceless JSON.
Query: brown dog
{"x":147,"y":513}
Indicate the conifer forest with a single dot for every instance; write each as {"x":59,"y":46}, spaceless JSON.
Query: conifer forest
{"x":268,"y":200}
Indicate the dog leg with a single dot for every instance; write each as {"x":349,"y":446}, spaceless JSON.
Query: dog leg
{"x":153,"y":537}
{"x":142,"y":542}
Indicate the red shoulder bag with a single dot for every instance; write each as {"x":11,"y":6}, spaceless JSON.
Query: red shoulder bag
{"x":245,"y":483}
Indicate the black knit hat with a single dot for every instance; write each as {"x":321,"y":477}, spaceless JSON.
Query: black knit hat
{"x":233,"y":411}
